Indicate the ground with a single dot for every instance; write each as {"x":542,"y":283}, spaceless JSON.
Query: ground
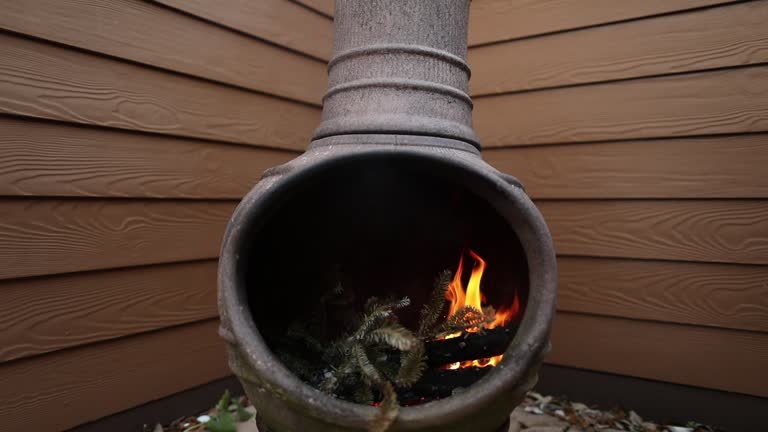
{"x":537,"y":414}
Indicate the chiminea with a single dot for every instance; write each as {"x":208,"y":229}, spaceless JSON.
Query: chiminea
{"x":391,"y":191}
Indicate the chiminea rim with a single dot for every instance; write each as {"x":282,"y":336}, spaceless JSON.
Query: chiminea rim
{"x":510,"y":201}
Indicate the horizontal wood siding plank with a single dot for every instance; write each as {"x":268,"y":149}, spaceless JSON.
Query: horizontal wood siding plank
{"x":51,"y":313}
{"x":719,"y":102}
{"x":42,"y":80}
{"x":702,"y":39}
{"x":280,"y":21}
{"x":699,"y":356}
{"x":728,"y":231}
{"x":155,"y":35}
{"x":40,"y":237}
{"x":711,"y":167}
{"x":54,"y":159}
{"x":717,"y":295}
{"x":325,"y":7}
{"x":64,"y":389}
{"x":497,"y":20}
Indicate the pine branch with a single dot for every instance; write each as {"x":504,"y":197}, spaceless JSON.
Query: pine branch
{"x":394,"y":335}
{"x":363,"y":395}
{"x":299,"y":332}
{"x":433,"y":308}
{"x":377,"y":314}
{"x":303,"y":369}
{"x":412,"y":366}
{"x":370,"y":374}
{"x":464,"y":319}
{"x":388,"y":409}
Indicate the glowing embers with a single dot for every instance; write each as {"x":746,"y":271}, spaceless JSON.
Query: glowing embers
{"x":470,"y":306}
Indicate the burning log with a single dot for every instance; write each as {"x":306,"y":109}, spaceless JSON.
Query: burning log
{"x":440,"y":383}
{"x":468,"y":346}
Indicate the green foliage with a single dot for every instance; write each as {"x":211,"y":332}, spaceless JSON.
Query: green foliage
{"x":464,"y":319}
{"x":412,"y":366}
{"x":227,"y":415}
{"x":387,"y":410}
{"x":357,"y":366}
{"x":434,"y":307}
{"x":394,"y":335}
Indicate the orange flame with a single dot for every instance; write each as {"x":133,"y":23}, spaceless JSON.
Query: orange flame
{"x":473,"y":296}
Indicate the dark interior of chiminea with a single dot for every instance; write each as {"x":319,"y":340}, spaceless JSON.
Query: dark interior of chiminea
{"x":382,"y":227}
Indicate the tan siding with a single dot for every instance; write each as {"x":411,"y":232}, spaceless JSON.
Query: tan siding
{"x":60,"y":390}
{"x":716,"y":295}
{"x":54,"y":159}
{"x":152,"y":34}
{"x":728,"y":231}
{"x":81,"y":308}
{"x":325,"y":7}
{"x":128,"y":131}
{"x":42,"y":80}
{"x":723,"y":36}
{"x":711,"y":167}
{"x":698,"y":356}
{"x":641,"y":137}
{"x":496,"y":20}
{"x":39,"y":237}
{"x":727,"y":101}
{"x":283,"y":22}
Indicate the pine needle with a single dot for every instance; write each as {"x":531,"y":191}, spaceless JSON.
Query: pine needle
{"x":464,"y":319}
{"x":388,"y":409}
{"x":377,"y":314}
{"x":370,"y":374}
{"x":433,"y":308}
{"x":362,"y":395}
{"x":412,"y":366}
{"x":298,"y":366}
{"x":394,"y":335}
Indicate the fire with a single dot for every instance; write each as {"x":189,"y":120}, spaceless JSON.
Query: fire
{"x":473,"y":296}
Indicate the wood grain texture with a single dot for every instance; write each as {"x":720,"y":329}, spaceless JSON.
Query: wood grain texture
{"x":720,"y":102}
{"x":47,"y":314}
{"x":42,"y":80}
{"x":712,"y":167}
{"x":727,"y":231}
{"x":497,"y":20}
{"x":64,"y":389}
{"x":716,"y":295}
{"x":280,"y":21}
{"x":699,"y":356}
{"x":40,"y":237}
{"x":155,"y":35}
{"x":52,"y":159}
{"x":325,"y":7}
{"x":701,"y":39}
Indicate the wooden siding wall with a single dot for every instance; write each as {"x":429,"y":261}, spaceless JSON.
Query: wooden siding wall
{"x":129,"y":130}
{"x":641,"y":131}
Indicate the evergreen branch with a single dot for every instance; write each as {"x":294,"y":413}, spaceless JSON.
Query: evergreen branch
{"x":394,"y":335}
{"x":412,"y":365}
{"x":299,"y":332}
{"x":362,"y":395}
{"x":303,"y":369}
{"x":388,"y":409}
{"x":464,"y":319}
{"x":433,"y":309}
{"x":370,"y":374}
{"x":377,"y":314}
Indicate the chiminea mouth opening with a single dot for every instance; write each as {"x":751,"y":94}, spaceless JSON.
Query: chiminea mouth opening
{"x":384,"y":223}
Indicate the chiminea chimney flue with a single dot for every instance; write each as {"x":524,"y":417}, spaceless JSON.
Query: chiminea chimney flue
{"x":399,"y":67}
{"x":391,"y":190}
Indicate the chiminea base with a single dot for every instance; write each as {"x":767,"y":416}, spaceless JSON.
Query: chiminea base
{"x":264,"y":428}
